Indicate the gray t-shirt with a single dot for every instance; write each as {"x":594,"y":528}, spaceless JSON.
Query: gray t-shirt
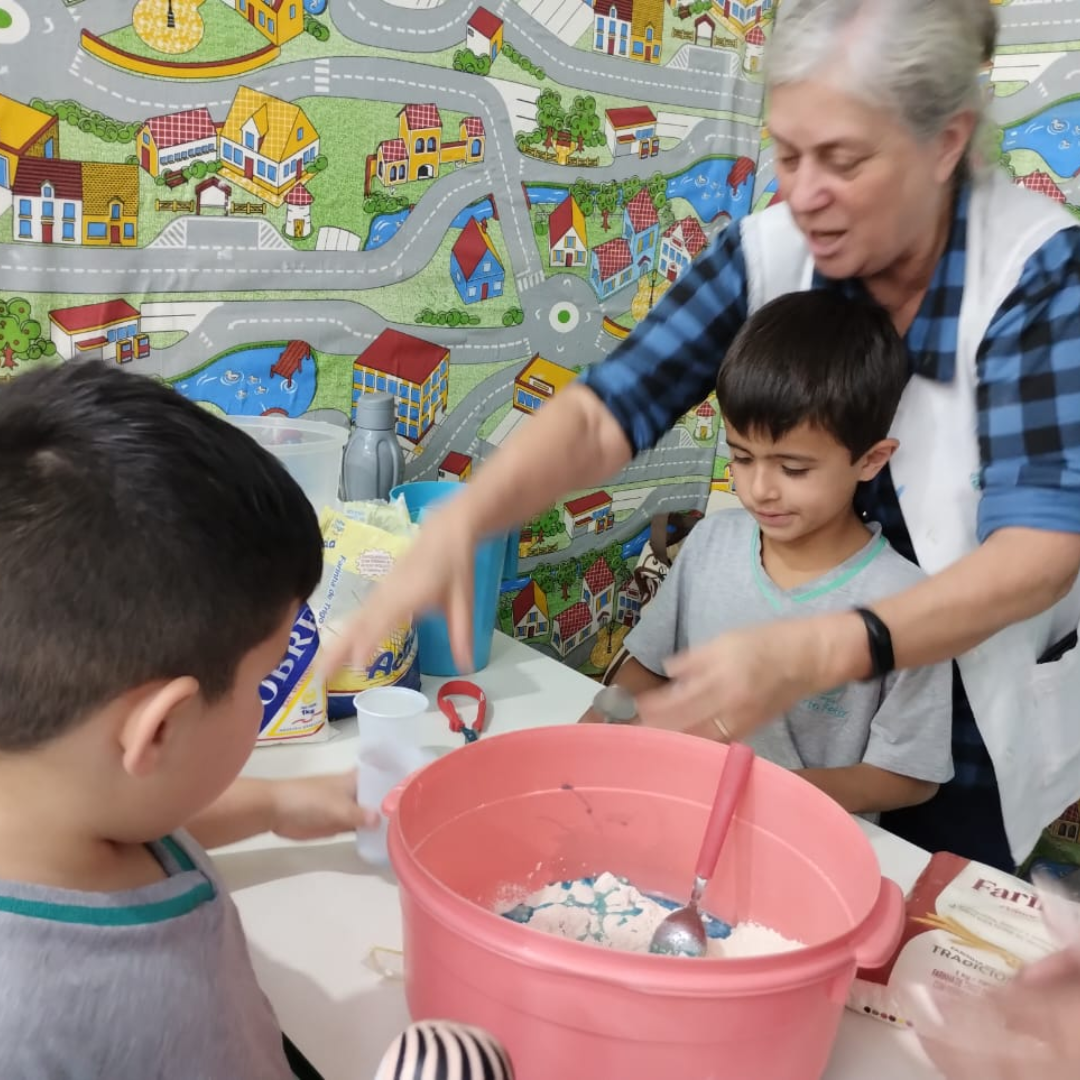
{"x":151,"y":982}
{"x":902,"y":723}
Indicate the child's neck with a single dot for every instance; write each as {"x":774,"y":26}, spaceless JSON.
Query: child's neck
{"x":39,"y":845}
{"x":790,"y":564}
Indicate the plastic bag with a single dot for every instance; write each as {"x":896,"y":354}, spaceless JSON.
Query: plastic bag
{"x":294,"y":693}
{"x":969,"y":929}
{"x":362,"y":542}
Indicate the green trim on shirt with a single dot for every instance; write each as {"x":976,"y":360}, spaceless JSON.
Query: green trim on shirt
{"x":136,"y":915}
{"x":121,"y":915}
{"x":183,"y":859}
{"x":875,"y":549}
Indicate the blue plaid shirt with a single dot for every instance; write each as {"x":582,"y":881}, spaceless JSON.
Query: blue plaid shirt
{"x":1028,"y":394}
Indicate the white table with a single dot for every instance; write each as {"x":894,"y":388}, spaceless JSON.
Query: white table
{"x":313,"y":912}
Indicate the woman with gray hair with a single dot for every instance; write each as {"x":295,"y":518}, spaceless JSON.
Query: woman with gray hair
{"x":874,"y":112}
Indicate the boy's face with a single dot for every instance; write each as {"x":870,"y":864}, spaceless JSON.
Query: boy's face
{"x":801,"y":483}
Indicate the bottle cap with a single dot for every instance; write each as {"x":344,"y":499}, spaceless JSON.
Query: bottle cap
{"x":377,"y":411}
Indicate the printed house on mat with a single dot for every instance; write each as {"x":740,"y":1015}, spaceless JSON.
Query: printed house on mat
{"x":571,"y":627}
{"x":704,"y":420}
{"x":631,"y":132}
{"x":530,"y":613}
{"x":641,"y":231}
{"x":456,"y":467}
{"x":416,"y":372}
{"x":76,"y":202}
{"x":277,"y":20}
{"x":24,"y":133}
{"x":630,"y":28}
{"x":610,"y":267}
{"x":177,"y":140}
{"x":754,"y":51}
{"x":484,"y":33}
{"x":97,"y":331}
{"x":420,"y":127}
{"x":539,"y":381}
{"x":744,"y":13}
{"x":590,"y":513}
{"x":598,"y":590}
{"x":629,"y":604}
{"x":567,"y":237}
{"x":266,"y":144}
{"x":475,"y":268}
{"x":419,"y":152}
{"x":679,"y":245}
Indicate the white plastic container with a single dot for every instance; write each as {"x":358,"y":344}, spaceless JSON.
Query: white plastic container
{"x":309,"y":449}
{"x":385,"y":757}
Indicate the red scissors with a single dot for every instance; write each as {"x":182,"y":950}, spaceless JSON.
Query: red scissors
{"x":464,"y":688}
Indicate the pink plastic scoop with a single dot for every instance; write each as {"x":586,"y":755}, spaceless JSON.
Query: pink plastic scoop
{"x":682,"y":933}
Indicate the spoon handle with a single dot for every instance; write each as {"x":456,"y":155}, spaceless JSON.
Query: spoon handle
{"x":733,"y":777}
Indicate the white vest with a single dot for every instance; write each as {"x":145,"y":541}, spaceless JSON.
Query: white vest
{"x":1028,"y":714}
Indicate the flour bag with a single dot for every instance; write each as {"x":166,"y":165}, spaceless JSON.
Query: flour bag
{"x":362,"y":541}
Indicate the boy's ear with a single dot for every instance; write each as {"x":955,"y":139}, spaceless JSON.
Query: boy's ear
{"x":146,"y":727}
{"x":876,"y":458}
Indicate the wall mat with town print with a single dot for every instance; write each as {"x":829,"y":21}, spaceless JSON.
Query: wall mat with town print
{"x":279,"y":205}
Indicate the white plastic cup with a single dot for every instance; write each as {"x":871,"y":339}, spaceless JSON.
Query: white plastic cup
{"x":385,"y":757}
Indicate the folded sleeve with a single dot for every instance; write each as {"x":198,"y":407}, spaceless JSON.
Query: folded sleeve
{"x":1029,"y":397}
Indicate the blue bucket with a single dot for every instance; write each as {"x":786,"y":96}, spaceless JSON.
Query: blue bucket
{"x":494,"y":557}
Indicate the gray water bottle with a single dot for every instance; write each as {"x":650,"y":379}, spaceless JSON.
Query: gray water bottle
{"x":373,"y":461}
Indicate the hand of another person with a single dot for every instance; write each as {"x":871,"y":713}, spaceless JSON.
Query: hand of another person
{"x":435,"y":573}
{"x":731,"y":685}
{"x":312,"y":807}
{"x":1026,"y":1031}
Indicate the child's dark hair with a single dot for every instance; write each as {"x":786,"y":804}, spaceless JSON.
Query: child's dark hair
{"x":141,"y":538}
{"x":815,"y":357}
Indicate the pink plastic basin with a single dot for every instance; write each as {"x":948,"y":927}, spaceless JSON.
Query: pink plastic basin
{"x":511,"y":813}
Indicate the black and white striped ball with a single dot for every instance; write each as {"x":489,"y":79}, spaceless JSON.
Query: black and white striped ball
{"x":444,"y":1050}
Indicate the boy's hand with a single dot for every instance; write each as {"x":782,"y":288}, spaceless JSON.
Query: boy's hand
{"x":314,"y":807}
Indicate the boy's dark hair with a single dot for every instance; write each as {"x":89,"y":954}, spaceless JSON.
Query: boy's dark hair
{"x":815,"y":357}
{"x":141,"y":538}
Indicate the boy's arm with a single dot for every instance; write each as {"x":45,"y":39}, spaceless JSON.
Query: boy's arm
{"x":911,"y":734}
{"x":634,"y":676}
{"x":307,"y":808}
{"x":866,"y":789}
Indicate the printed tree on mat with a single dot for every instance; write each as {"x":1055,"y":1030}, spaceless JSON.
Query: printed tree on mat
{"x":544,"y":577}
{"x":607,"y":202}
{"x":566,"y":574}
{"x":20,"y":336}
{"x":550,"y":115}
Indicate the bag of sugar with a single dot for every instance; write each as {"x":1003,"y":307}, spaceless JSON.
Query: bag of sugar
{"x":969,"y":929}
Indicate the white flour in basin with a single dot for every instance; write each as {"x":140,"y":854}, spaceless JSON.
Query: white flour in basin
{"x":610,"y":912}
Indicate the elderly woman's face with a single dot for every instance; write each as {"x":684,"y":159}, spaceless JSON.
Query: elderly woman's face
{"x":863,"y":190}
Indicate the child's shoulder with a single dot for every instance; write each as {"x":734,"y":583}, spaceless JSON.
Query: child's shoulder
{"x":892,"y":566}
{"x":725,"y":525}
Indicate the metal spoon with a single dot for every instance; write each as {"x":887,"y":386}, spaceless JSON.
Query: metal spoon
{"x":682,"y":933}
{"x":616,"y":705}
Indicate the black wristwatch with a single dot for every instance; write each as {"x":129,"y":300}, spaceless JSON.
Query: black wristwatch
{"x":882,"y":660}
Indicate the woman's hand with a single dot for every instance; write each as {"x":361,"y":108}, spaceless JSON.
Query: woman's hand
{"x":740,"y":680}
{"x":1027,"y":1031}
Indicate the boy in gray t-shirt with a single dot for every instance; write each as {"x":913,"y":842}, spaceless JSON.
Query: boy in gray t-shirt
{"x":152,"y":560}
{"x":808,"y":391}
